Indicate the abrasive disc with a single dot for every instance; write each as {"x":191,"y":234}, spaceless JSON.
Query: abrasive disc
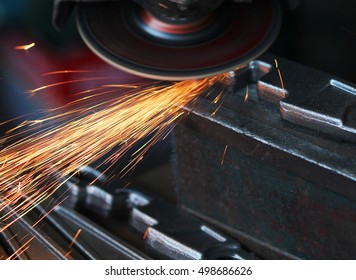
{"x":126,"y":36}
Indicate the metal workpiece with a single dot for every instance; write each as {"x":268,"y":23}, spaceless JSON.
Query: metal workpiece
{"x":55,"y":229}
{"x":85,"y":190}
{"x":283,"y":188}
{"x":93,"y":242}
{"x":166,"y":231}
{"x":171,"y":233}
{"x":20,"y":240}
{"x":62,"y":234}
{"x":311,"y":98}
{"x":75,"y":227}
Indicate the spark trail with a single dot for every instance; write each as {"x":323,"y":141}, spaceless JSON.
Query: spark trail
{"x":30,"y":162}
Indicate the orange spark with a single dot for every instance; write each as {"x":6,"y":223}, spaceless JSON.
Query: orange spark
{"x":121,"y":86}
{"x":279,"y":73}
{"x":68,"y":253}
{"x":246,"y":95}
{"x":216,"y":110}
{"x":223,"y":156}
{"x":25,"y":47}
{"x":146,"y":233}
{"x":32,"y":162}
{"x":47,"y":213}
{"x":21,"y":249}
{"x":75,"y":238}
{"x":217,"y":98}
{"x":68,"y":72}
{"x":68,"y":82}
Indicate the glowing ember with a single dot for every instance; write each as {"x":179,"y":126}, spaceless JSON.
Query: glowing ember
{"x":25,"y":47}
{"x":21,"y":249}
{"x":68,"y":72}
{"x":224,"y":154}
{"x":246,"y":95}
{"x":145,"y":235}
{"x":279,"y":73}
{"x":75,"y":238}
{"x":68,"y":253}
{"x":31,"y":161}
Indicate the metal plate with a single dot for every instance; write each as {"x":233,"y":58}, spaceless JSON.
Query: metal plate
{"x":238,"y":33}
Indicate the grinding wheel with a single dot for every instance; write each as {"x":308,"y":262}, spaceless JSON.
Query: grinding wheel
{"x":130,"y":38}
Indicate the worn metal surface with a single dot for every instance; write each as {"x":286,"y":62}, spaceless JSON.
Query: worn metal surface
{"x":287,"y":188}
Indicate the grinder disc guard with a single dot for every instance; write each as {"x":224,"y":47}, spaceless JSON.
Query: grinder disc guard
{"x":126,"y":36}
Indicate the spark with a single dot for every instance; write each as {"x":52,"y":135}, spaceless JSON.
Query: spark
{"x":47,"y":213}
{"x":216,"y":110}
{"x":223,"y":156}
{"x":25,"y":47}
{"x":23,"y":238}
{"x":162,"y":5}
{"x":67,"y":82}
{"x":68,"y":253}
{"x":126,"y":185}
{"x":122,"y":86}
{"x":246,"y":95}
{"x":75,"y":238}
{"x":12,"y":237}
{"x":146,"y":233}
{"x":24,"y":247}
{"x":217,"y":98}
{"x":33,"y":163}
{"x":279,"y":72}
{"x":68,"y":72}
{"x":220,"y":97}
